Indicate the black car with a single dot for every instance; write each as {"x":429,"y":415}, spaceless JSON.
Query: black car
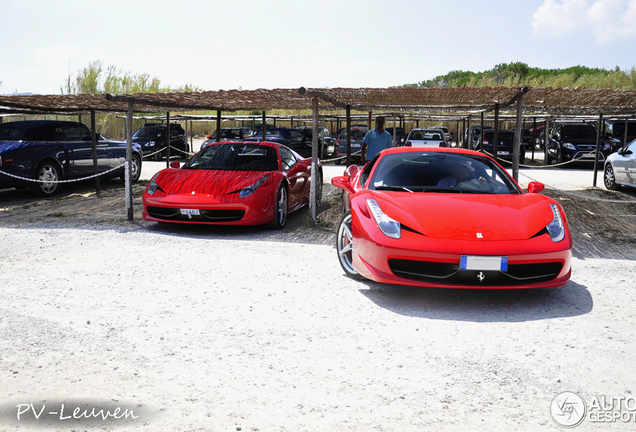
{"x":575,"y":141}
{"x":357,"y":135}
{"x":280,"y":135}
{"x":228,"y":134}
{"x":302,"y":138}
{"x":616,"y":129}
{"x":152,"y":138}
{"x":400,"y":135}
{"x":505,"y":147}
{"x":475,"y":132}
{"x":50,"y":151}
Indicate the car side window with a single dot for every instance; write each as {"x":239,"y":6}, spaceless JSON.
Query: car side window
{"x":632,"y":147}
{"x":287,"y":159}
{"x":74,"y":132}
{"x":367,"y":170}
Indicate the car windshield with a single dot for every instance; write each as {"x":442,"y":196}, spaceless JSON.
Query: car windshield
{"x":441,"y":172}
{"x":235,"y":157}
{"x":579,"y":132}
{"x":147,"y":133}
{"x":427,"y":135}
{"x":355,"y":134}
{"x":228,"y":134}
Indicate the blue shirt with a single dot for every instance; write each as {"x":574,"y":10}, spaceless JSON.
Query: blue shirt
{"x":376,"y":142}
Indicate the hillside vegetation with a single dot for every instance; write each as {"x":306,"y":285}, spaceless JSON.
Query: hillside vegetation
{"x":520,"y":74}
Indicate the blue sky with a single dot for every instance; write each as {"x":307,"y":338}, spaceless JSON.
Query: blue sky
{"x":285,"y":44}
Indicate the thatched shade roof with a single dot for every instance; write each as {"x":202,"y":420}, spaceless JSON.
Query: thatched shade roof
{"x":546,"y":101}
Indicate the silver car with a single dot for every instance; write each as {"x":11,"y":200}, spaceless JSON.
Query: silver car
{"x":620,"y":167}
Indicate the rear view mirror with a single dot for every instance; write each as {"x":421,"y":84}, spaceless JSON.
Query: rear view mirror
{"x":175,"y":164}
{"x":535,"y":187}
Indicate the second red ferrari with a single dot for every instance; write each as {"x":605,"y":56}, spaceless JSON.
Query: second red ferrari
{"x":236,"y":183}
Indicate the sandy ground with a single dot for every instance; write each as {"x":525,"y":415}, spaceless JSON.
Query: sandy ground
{"x":225,"y":329}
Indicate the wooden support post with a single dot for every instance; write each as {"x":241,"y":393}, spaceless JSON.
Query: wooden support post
{"x":128,"y":166}
{"x":370,"y":120}
{"x":314,"y":160}
{"x":516,"y":144}
{"x":624,"y":136}
{"x":218,"y":126}
{"x":348,"y":110}
{"x":495,"y":139}
{"x":546,"y":127}
{"x":191,"y":137}
{"x":534,"y":135}
{"x":481,"y":132}
{"x":94,"y":150}
{"x":263,"y":127}
{"x":469,"y":142}
{"x":463,"y":133}
{"x":394,"y":130}
{"x":291,"y":123}
{"x":457,"y":135}
{"x":168,"y":140}
{"x":598,"y":146}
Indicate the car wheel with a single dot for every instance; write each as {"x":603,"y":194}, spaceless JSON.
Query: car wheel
{"x":344,"y":246}
{"x":157,"y":157}
{"x":135,"y":171}
{"x":338,"y":161}
{"x":280,"y":208}
{"x":49,"y":173}
{"x":609,"y":178}
{"x":559,"y":157}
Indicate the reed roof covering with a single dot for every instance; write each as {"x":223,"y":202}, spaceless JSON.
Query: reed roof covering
{"x":464,"y":100}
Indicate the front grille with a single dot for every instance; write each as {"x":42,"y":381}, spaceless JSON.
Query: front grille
{"x":174,"y":214}
{"x":450,"y":274}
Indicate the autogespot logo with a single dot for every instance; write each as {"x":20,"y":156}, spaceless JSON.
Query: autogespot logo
{"x":568,"y":409}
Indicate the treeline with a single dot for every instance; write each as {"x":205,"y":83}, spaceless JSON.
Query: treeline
{"x":95,"y":79}
{"x":520,"y":74}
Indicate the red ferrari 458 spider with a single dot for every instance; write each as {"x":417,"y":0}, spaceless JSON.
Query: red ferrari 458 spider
{"x":232,"y":183}
{"x":449,"y":218}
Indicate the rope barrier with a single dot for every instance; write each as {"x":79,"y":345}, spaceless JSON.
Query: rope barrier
{"x":541,"y":166}
{"x":154,"y":153}
{"x":341,"y":157}
{"x":62,"y":181}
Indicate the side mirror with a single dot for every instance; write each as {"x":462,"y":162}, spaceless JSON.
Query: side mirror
{"x":175,"y":164}
{"x":535,"y":187}
{"x":343,"y":182}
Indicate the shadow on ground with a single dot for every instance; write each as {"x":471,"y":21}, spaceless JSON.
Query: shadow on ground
{"x":477,"y":305}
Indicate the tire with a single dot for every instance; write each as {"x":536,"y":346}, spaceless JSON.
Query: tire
{"x":609,"y":178}
{"x":49,"y":171}
{"x":344,"y":246}
{"x":135,"y":172}
{"x":157,"y":157}
{"x":559,"y":157}
{"x":280,"y":208}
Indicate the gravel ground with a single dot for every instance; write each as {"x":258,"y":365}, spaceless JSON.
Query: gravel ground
{"x":225,"y":329}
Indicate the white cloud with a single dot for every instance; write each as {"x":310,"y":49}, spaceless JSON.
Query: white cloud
{"x":605,"y":20}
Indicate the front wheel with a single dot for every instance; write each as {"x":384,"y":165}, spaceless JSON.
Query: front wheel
{"x":609,"y":178}
{"x":280,"y":208}
{"x":49,"y":174}
{"x":344,"y":246}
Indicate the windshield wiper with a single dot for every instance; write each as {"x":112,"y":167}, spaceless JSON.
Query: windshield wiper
{"x":394,"y":188}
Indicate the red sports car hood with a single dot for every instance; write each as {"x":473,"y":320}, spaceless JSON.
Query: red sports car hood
{"x":206,"y":182}
{"x":467,"y":216}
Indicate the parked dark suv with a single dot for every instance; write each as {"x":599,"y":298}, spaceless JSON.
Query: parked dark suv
{"x":228,"y":134}
{"x":569,"y":141}
{"x":504,"y":147}
{"x":152,"y":137}
{"x":51,"y":151}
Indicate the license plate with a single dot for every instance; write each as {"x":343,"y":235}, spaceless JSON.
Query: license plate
{"x":503,"y":153}
{"x":191,"y":212}
{"x":476,"y":262}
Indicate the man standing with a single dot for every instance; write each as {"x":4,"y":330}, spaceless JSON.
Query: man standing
{"x":376,"y":140}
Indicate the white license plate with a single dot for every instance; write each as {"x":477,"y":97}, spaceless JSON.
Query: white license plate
{"x":503,"y":153}
{"x":476,"y":262}
{"x":191,"y":212}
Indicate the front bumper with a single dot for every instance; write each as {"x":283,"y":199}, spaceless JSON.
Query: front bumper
{"x":423,"y":261}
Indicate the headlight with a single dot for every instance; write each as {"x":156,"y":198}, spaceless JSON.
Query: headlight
{"x":249,"y":190}
{"x":387,"y":225}
{"x":149,"y":144}
{"x":556,"y":228}
{"x":606,"y":147}
{"x":569,"y":146}
{"x":152,"y":186}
